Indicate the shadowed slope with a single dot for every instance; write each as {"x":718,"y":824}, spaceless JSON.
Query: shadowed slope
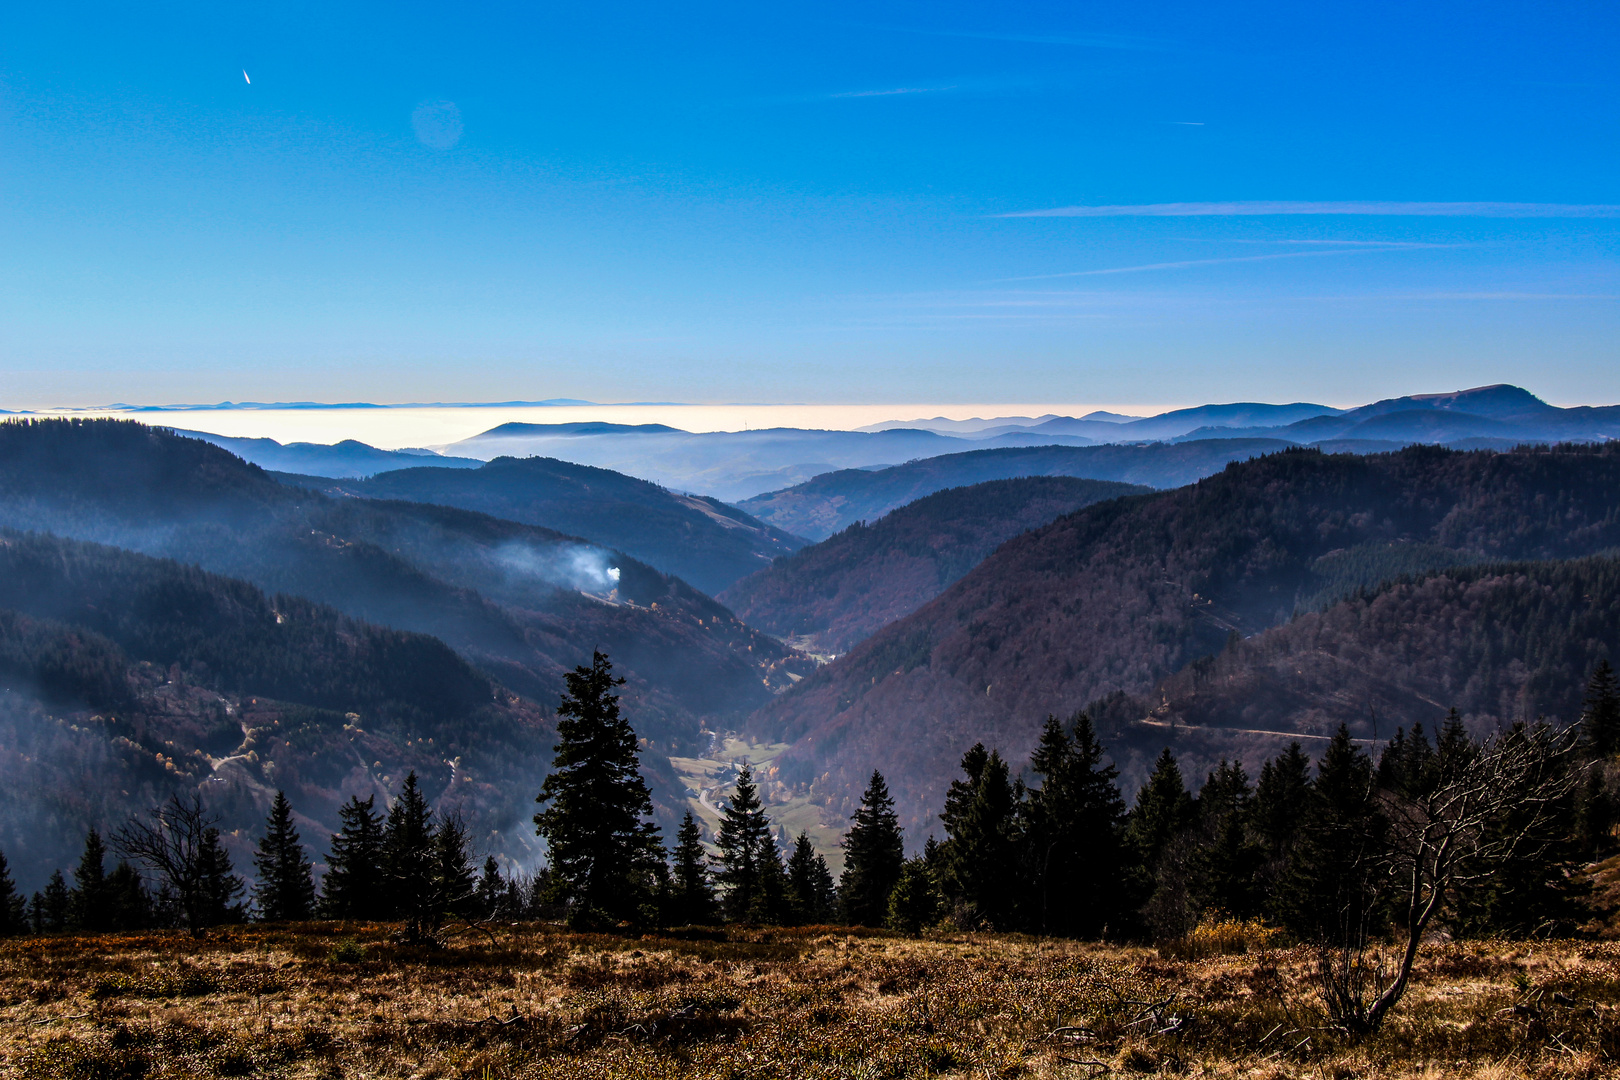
{"x":1117,"y":596}
{"x":845,"y":588}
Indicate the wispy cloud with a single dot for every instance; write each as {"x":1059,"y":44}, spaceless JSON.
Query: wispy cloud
{"x":893,"y":92}
{"x":1127,"y":42}
{"x":1358,"y":209}
{"x":1183,"y":264}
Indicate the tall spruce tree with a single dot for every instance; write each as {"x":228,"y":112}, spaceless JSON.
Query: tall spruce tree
{"x":411,"y":860}
{"x":456,"y":884}
{"x":692,"y":894}
{"x":1330,"y":890}
{"x":1163,"y":808}
{"x":1229,"y":857}
{"x":1280,"y":799}
{"x":13,"y":908}
{"x":356,"y":869}
{"x":285,"y":890}
{"x":874,"y":851}
{"x":1160,"y":830}
{"x":980,"y":857}
{"x":916,"y":902}
{"x":129,"y":902}
{"x":88,"y":908}
{"x":605,"y":852}
{"x":491,"y":893}
{"x":1085,"y":882}
{"x":1600,"y":711}
{"x":748,"y":856}
{"x":51,"y":908}
{"x":222,"y":889}
{"x":812,"y":897}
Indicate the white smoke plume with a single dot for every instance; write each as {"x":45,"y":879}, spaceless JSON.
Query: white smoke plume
{"x":572,"y":566}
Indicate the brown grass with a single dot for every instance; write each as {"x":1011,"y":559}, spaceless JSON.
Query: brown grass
{"x":327,"y":1001}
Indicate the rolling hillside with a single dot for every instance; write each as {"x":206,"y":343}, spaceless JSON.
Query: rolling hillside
{"x":834,"y":501}
{"x":842,"y":590}
{"x":700,"y":540}
{"x":124,"y":679}
{"x":523,"y":603}
{"x":1118,"y":596}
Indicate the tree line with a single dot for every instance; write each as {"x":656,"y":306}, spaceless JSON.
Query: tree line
{"x":1481,"y":832}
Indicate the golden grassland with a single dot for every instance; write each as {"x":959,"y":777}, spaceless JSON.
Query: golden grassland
{"x":335,"y":1000}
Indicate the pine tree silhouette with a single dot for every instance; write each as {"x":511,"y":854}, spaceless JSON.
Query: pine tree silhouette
{"x":605,"y":852}
{"x":748,"y":855}
{"x":456,"y":884}
{"x":285,"y":890}
{"x":812,"y":898}
{"x":88,"y":906}
{"x":874,"y":851}
{"x":1600,"y":711}
{"x":411,"y":861}
{"x":13,"y":908}
{"x":353,"y":887}
{"x":1084,"y":879}
{"x":980,"y":858}
{"x":692,"y":894}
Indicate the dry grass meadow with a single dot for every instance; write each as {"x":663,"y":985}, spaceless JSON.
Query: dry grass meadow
{"x":331,"y":1000}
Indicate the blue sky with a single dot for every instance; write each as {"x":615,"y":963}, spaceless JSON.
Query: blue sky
{"x":836,"y":203}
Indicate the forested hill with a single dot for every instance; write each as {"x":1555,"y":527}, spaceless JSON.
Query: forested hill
{"x":842,"y":590}
{"x":125,"y":678}
{"x":1117,"y":596}
{"x":700,"y":540}
{"x":834,"y":501}
{"x":522,"y":602}
{"x":1499,"y":643}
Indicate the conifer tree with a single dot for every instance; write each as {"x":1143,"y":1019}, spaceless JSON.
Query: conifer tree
{"x":812,"y":898}
{"x":605,"y":852}
{"x":915,"y":903}
{"x":285,"y":890}
{"x":1280,"y":799}
{"x":87,"y":905}
{"x":874,"y":851}
{"x":129,"y":903}
{"x":354,"y":885}
{"x":51,"y":909}
{"x":13,"y":908}
{"x":747,"y":852}
{"x":692,"y":894}
{"x":411,"y":861}
{"x":1229,"y":858}
{"x":221,"y":889}
{"x":491,"y":892}
{"x":980,"y":857}
{"x":1329,"y":891}
{"x":1600,"y":711}
{"x":1084,"y":880}
{"x":456,"y":885}
{"x":1163,"y":808}
{"x":1159,"y":830}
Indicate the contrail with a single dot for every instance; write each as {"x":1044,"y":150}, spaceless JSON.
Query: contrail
{"x":245,"y":78}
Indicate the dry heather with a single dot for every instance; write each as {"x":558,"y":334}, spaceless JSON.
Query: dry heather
{"x":326,"y":1000}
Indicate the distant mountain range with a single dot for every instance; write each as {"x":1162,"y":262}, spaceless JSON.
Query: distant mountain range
{"x":834,"y":501}
{"x":337,"y":460}
{"x":740,"y":465}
